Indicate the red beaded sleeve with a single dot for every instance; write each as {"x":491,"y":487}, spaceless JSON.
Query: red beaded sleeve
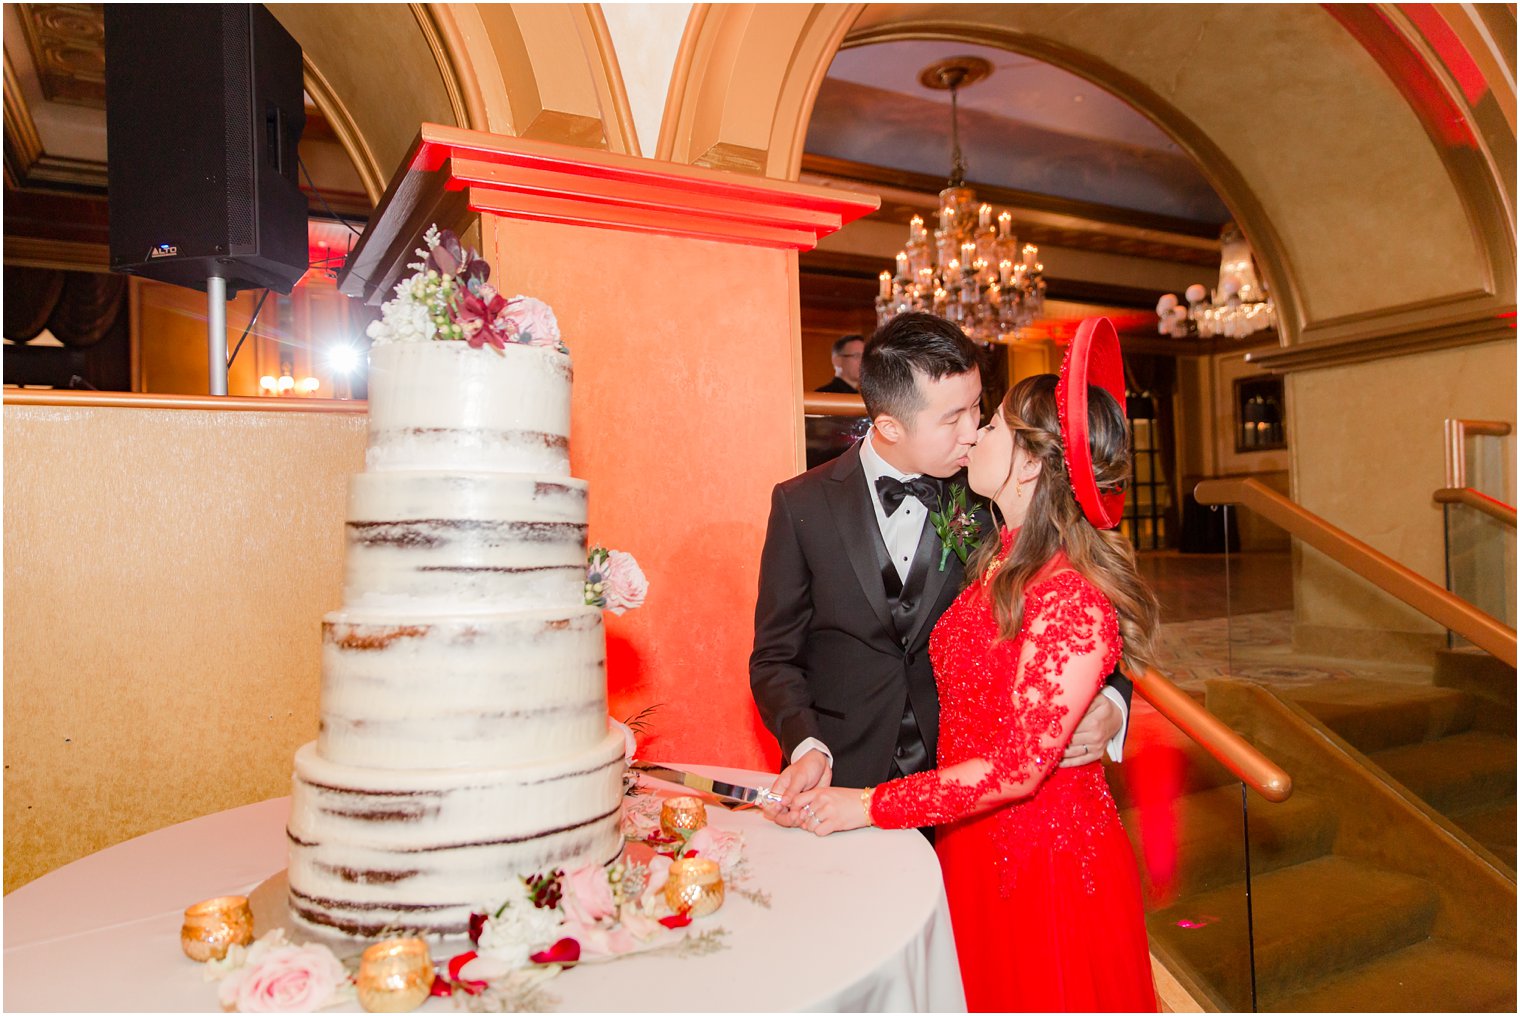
{"x":1065,"y":649}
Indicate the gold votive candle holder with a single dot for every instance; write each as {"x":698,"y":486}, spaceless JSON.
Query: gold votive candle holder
{"x":695,"y":885}
{"x":682,"y":816}
{"x":213,"y":926}
{"x":395,"y":975}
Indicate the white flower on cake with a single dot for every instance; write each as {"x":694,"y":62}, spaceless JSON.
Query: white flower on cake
{"x":512,"y":934}
{"x":450,"y":299}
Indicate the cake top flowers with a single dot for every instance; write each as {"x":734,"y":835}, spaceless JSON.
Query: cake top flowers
{"x":449,"y":298}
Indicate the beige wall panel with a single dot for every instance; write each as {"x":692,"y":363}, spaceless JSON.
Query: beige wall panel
{"x":166,"y":572}
{"x":1331,"y":151}
{"x":1369,"y":453}
{"x":380,"y":67}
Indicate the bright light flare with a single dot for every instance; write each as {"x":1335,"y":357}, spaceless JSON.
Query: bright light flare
{"x":343,"y":359}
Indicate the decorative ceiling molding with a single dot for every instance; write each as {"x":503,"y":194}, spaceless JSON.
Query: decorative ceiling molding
{"x":67,"y":43}
{"x":1039,"y":218}
{"x":27,"y":165}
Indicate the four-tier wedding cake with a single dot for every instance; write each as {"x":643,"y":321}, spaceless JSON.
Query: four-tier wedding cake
{"x":463,"y":739}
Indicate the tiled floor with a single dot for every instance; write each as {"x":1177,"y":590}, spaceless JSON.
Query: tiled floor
{"x":1246,"y":633}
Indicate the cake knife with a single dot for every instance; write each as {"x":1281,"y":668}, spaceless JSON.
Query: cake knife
{"x":732,"y":791}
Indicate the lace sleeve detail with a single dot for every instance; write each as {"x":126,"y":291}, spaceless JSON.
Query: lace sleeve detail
{"x":1045,"y":680}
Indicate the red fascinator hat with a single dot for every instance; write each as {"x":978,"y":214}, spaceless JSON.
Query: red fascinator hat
{"x":1092,"y":359}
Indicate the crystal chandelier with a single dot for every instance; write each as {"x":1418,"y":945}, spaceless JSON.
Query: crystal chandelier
{"x":1240,"y":306}
{"x":969,"y":271}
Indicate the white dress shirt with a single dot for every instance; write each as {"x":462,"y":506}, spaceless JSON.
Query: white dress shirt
{"x":901,"y":532}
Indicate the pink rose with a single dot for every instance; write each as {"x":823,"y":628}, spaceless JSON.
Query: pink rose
{"x":588,"y":896}
{"x":659,"y":874}
{"x":626,"y":585}
{"x":534,"y":318}
{"x":719,"y":845}
{"x":295,"y":978}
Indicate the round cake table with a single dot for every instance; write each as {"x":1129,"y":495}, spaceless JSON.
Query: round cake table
{"x":857,"y":922}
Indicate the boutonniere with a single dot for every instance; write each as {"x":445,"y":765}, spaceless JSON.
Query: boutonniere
{"x":957,"y":525}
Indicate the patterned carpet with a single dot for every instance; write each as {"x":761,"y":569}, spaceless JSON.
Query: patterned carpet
{"x":1257,"y":647}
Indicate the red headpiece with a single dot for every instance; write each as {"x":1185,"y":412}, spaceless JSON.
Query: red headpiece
{"x":1092,"y":359}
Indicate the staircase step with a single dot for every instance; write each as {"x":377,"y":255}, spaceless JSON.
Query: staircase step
{"x":1194,"y":844}
{"x":1471,"y":669}
{"x":1432,"y":976}
{"x":1373,"y":715}
{"x":1494,"y":827}
{"x":1456,"y":774}
{"x":1312,"y":920}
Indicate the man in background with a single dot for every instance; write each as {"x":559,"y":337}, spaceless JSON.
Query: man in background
{"x":845,"y":355}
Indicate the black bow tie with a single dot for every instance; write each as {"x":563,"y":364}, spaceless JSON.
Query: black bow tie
{"x":891,"y":491}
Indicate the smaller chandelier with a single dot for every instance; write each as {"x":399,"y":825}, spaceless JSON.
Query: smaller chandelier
{"x":968,"y":271}
{"x":1240,"y":306}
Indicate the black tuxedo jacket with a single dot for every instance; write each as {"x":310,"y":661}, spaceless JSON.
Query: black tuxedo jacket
{"x":832,"y":659}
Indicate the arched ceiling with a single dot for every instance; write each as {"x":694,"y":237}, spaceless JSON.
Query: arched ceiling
{"x":1028,"y":126}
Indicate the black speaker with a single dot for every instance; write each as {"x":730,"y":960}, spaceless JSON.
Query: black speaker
{"x":203,"y":114}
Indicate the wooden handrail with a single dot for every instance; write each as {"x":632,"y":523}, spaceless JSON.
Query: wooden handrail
{"x":832,"y":404}
{"x":1457,"y":433}
{"x":1214,"y":736}
{"x":1479,"y":500}
{"x":1445,"y":609}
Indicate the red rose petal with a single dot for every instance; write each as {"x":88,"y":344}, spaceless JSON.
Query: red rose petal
{"x":566,"y":950}
{"x":477,"y":925}
{"x":441,"y":988}
{"x":674,"y":921}
{"x":457,"y":963}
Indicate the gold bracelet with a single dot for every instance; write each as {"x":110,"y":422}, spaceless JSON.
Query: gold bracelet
{"x":865,"y":802}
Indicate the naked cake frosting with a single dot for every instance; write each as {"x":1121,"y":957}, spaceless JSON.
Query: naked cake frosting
{"x":463,"y":740}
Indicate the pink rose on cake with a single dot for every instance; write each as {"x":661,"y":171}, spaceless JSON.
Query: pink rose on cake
{"x":587,"y":896}
{"x":531,"y":321}
{"x":614,"y":580}
{"x":280,"y":977}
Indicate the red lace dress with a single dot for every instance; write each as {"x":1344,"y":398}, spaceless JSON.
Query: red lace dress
{"x":1043,"y":888}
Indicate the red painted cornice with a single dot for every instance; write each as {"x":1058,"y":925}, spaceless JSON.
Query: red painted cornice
{"x":450,"y":173}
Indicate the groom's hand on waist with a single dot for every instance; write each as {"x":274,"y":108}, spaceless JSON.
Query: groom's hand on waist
{"x":1100,"y":725}
{"x":812,"y":769}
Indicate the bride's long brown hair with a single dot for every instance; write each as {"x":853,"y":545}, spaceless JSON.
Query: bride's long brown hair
{"x":1055,"y":522}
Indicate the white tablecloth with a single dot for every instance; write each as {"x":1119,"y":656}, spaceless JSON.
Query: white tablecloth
{"x":857,"y":922}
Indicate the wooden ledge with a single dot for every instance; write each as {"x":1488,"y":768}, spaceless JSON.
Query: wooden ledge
{"x":221,"y":403}
{"x":450,"y":173}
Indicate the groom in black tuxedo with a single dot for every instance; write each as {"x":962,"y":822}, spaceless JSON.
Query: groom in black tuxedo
{"x":851,"y":583}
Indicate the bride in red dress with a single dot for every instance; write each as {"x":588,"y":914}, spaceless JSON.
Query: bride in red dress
{"x":1042,"y":884}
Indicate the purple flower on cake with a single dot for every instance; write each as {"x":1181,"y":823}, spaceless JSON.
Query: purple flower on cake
{"x":275,"y":976}
{"x":614,"y":580}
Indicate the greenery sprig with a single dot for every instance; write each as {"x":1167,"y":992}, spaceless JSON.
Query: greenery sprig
{"x":957,"y":525}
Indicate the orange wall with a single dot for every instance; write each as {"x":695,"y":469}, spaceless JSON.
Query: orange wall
{"x":685,"y":414}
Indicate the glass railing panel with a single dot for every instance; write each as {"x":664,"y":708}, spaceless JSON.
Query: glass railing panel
{"x":1364,"y":665}
{"x":1480,"y":562}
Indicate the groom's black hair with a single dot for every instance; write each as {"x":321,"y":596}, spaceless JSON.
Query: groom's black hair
{"x":910,"y":344}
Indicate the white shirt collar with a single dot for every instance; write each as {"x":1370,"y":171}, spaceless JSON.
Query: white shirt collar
{"x":876,"y":466}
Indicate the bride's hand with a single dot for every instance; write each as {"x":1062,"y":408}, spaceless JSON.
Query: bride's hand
{"x":825,"y":810}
